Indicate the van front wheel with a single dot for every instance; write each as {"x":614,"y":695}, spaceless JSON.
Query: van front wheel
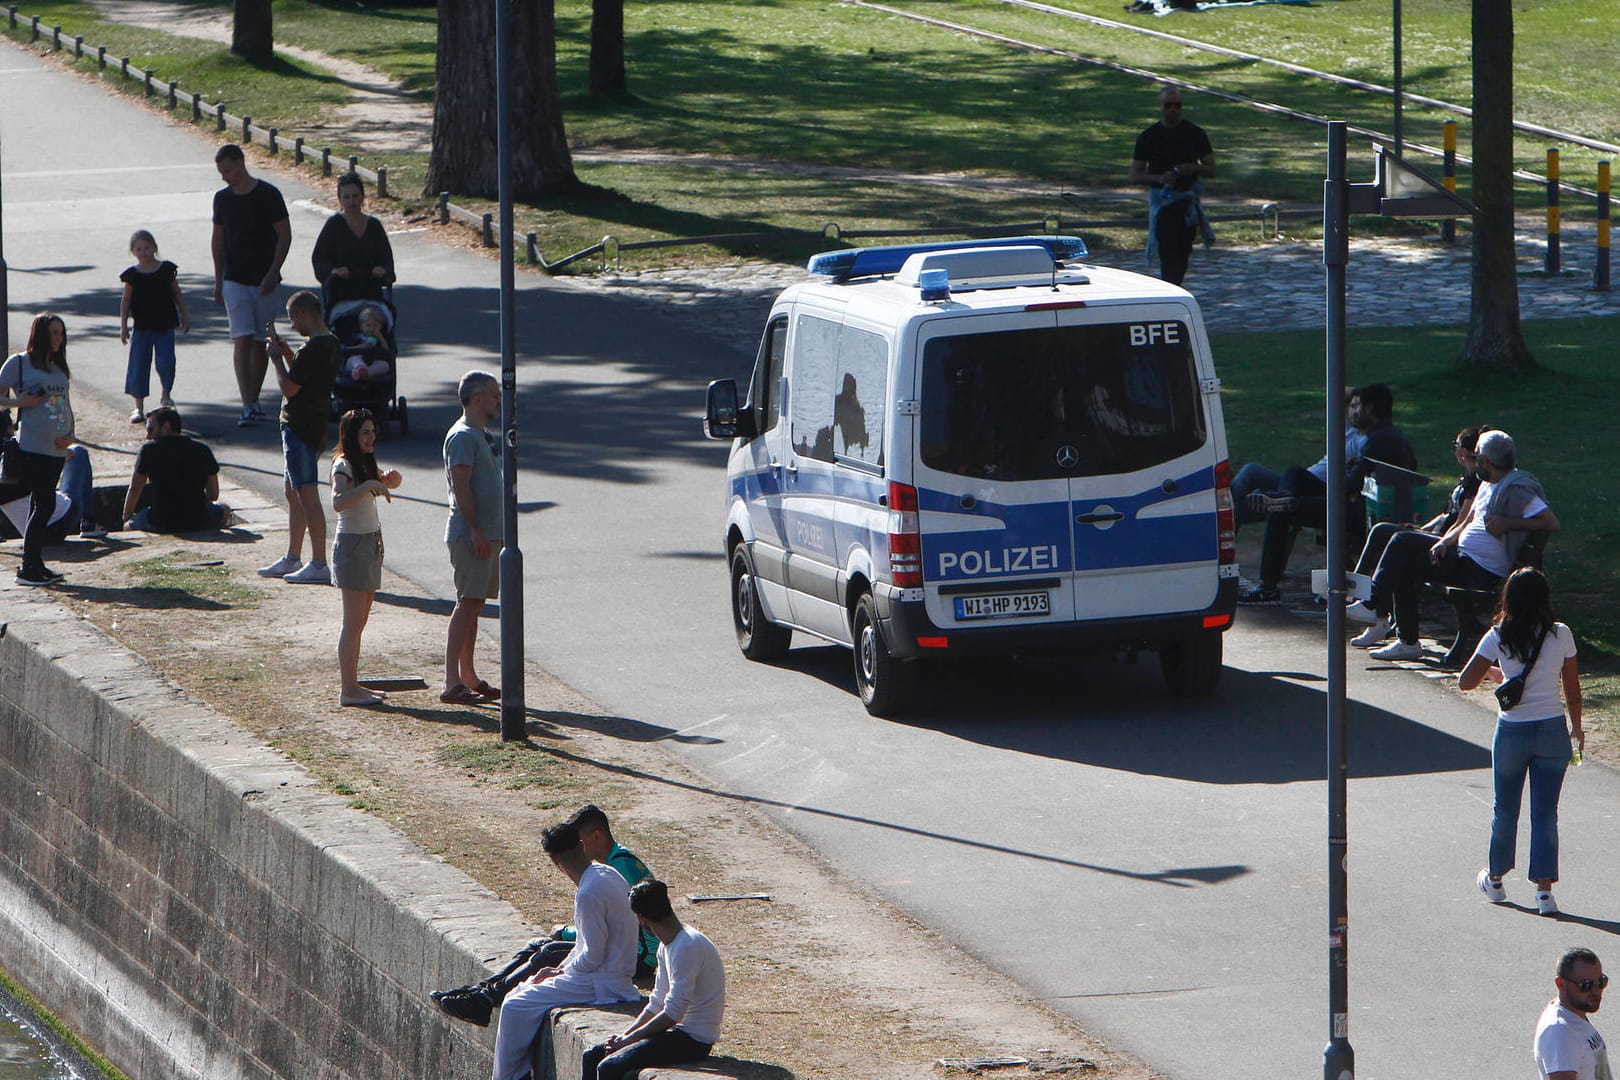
{"x":887,"y":686}
{"x":757,"y":637}
{"x":1192,"y":665}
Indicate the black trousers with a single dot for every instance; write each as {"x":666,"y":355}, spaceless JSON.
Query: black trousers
{"x":1405,"y":567}
{"x":1175,"y":241}
{"x":39,"y":474}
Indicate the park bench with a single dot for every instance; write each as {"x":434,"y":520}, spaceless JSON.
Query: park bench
{"x":1471,"y":605}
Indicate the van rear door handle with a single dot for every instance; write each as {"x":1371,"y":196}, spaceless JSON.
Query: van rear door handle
{"x":793,"y":470}
{"x":1100,"y":518}
{"x":775,"y":466}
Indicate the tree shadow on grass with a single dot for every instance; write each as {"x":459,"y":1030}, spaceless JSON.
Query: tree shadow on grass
{"x":148,"y":599}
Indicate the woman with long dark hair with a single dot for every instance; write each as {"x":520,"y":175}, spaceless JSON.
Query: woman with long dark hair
{"x":1532,"y":656}
{"x":35,"y":381}
{"x":357,"y":552}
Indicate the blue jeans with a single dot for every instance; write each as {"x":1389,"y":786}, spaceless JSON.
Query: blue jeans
{"x":671,"y":1047}
{"x":144,"y":345}
{"x":78,"y":484}
{"x":1251,"y":478}
{"x":1539,"y":749}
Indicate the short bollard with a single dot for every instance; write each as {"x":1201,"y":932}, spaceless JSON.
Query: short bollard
{"x":489,"y":230}
{"x":219,"y":115}
{"x":123,"y":67}
{"x":56,"y":38}
{"x":146,"y":83}
{"x":35,"y":25}
{"x":354,"y":163}
{"x":196,"y":108}
{"x":174,"y":97}
{"x":298,"y":149}
{"x":271,"y":140}
{"x":326,"y":161}
{"x":382,"y":181}
{"x":101,"y":57}
{"x":444,"y":208}
{"x":1600,"y":275}
{"x":1552,"y":263}
{"x":78,"y":46}
{"x":533,"y":243}
{"x":13,"y":18}
{"x":247,"y":130}
{"x":1448,"y":227}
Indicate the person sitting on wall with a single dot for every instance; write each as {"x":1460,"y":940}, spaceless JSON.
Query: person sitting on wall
{"x":476,"y":1003}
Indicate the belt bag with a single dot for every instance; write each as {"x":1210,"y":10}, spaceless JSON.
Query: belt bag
{"x":1511,"y":692}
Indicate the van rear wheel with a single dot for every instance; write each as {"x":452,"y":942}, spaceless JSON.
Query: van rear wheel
{"x":887,"y":686}
{"x":1192,"y":665}
{"x":757,"y":637}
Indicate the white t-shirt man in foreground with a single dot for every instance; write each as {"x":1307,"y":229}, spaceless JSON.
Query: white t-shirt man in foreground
{"x":1568,"y":1047}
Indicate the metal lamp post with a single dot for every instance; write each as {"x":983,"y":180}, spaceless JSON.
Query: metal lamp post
{"x":1398,"y":191}
{"x":513,"y":713}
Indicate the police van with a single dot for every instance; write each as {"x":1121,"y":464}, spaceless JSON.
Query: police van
{"x":980,"y":448}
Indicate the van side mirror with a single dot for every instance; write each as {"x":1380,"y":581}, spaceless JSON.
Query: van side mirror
{"x":723,"y":418}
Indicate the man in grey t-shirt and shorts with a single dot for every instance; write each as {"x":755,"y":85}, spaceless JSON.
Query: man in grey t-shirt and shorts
{"x":474,"y":533}
{"x":251,"y":238}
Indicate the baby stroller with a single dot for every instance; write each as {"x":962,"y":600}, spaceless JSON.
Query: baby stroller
{"x":379,"y":392}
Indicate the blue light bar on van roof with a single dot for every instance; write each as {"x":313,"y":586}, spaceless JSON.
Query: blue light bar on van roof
{"x":876,"y":261}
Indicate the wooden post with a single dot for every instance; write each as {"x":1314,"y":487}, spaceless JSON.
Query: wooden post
{"x":146,"y":83}
{"x":247,"y":130}
{"x":173,"y":97}
{"x":444,"y":208}
{"x":489,"y":230}
{"x":298,"y":149}
{"x":326,"y":161}
{"x":382,"y":181}
{"x":219,"y":115}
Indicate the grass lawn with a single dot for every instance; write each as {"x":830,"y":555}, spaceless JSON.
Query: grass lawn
{"x":1273,"y":414}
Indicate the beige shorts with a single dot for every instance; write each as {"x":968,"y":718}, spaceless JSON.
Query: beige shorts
{"x":476,"y":579}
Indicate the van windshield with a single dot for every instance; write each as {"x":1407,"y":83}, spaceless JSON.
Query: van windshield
{"x":1060,"y":402}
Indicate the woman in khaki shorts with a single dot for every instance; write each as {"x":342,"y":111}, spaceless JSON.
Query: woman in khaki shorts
{"x":357,"y":554}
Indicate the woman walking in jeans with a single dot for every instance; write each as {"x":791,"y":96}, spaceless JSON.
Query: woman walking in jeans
{"x":1533,"y":736}
{"x":36,"y":382}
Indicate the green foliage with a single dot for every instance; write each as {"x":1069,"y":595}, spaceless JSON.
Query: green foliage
{"x":1555,"y":413}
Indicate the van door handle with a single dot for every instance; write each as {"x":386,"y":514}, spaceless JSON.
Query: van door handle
{"x":1099,"y":519}
{"x":793,"y":470}
{"x":775,"y":466}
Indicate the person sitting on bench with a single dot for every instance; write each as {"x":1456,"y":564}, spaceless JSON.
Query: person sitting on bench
{"x":1475,"y":553}
{"x":1303,"y":502}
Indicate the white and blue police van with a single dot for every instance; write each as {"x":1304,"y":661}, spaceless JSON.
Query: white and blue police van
{"x":979,"y":448}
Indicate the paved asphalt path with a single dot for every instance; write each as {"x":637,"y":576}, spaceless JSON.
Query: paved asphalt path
{"x":1155,"y":869}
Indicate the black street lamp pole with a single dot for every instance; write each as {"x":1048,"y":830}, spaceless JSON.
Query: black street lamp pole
{"x":1399,"y":143}
{"x":5,"y":274}
{"x":1338,"y":1059}
{"x":513,"y":714}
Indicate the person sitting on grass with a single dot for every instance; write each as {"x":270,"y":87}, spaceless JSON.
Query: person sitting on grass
{"x":181,"y":474}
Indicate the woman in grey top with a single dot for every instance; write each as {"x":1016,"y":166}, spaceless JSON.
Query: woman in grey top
{"x":35,"y":381}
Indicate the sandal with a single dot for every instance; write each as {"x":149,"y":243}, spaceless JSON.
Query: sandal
{"x":460,"y":695}
{"x":482,"y":688}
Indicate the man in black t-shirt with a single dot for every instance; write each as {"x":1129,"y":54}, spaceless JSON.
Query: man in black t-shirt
{"x":182,"y":475}
{"x":251,"y":238}
{"x":1172,"y":157}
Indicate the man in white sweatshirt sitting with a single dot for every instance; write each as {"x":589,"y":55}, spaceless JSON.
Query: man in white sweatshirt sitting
{"x":598,"y":971}
{"x":682,"y":1019}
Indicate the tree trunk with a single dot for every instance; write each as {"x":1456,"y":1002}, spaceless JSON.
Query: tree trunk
{"x":1494,"y":336}
{"x":250,"y":30}
{"x":607,"y":47}
{"x":464,"y":121}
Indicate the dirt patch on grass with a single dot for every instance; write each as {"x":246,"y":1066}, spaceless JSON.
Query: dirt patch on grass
{"x":827,"y":980}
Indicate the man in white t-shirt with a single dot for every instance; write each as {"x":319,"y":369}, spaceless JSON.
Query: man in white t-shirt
{"x":1567,"y":1046}
{"x":1475,"y":553}
{"x":682,"y":1019}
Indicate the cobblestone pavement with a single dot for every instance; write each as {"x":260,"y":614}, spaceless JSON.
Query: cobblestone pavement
{"x":1277,"y":286}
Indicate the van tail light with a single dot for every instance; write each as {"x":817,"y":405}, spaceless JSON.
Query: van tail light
{"x":905,"y":538}
{"x":1225,"y":515}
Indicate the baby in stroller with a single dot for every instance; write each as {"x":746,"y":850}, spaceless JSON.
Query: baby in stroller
{"x":367,"y":376}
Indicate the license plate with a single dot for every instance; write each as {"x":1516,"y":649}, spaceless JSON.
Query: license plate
{"x":1003,"y":604}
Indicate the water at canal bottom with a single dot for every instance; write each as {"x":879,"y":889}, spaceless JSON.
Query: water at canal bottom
{"x":24,"y":1057}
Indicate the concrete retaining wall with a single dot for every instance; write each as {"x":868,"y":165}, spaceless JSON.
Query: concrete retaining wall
{"x":193,"y":905}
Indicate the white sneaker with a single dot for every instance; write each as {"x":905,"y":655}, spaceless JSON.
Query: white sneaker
{"x":1361,"y":611}
{"x":1493,"y":890}
{"x":1371,"y":636}
{"x":311,"y":573}
{"x":281,"y":567}
{"x":1398,"y":650}
{"x":1545,"y":904}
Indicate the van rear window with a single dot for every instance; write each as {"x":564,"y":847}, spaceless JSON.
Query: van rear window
{"x":1061,"y":401}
